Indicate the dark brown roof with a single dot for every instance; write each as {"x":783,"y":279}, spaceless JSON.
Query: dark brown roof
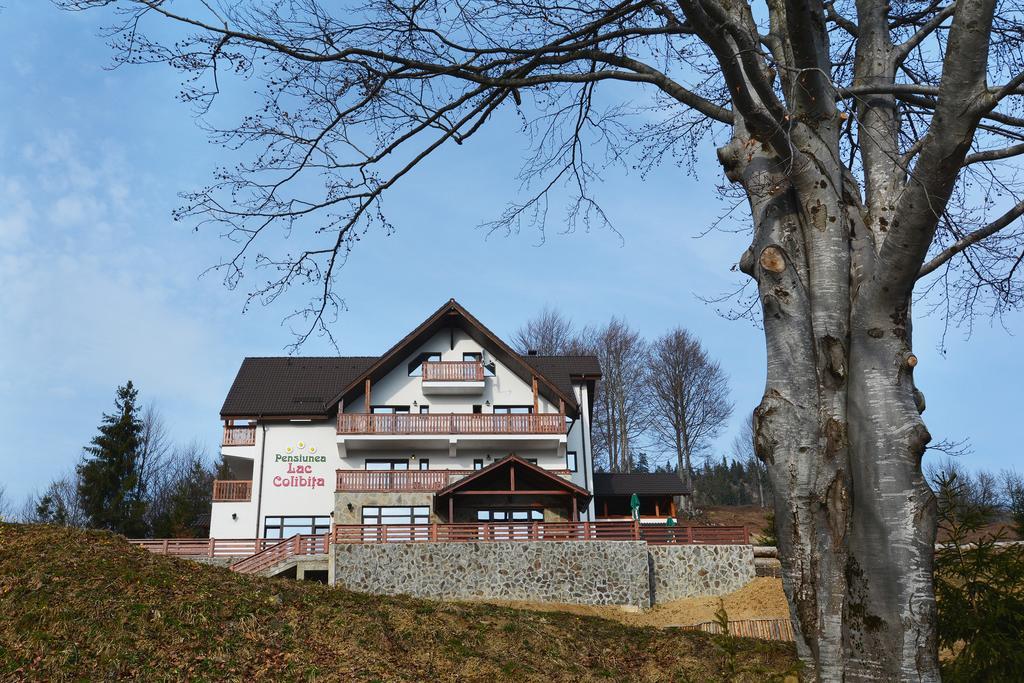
{"x":504,"y":463}
{"x":290,"y":386}
{"x":640,"y":483}
{"x":562,"y":369}
{"x":306,"y":386}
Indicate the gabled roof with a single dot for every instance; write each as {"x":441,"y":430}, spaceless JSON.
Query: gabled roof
{"x":453,"y":313}
{"x":309,"y":386}
{"x":505,"y":463}
{"x":640,"y":483}
{"x":291,"y":386}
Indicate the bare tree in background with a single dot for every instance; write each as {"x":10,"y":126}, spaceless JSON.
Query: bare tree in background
{"x":622,"y":407}
{"x":869,"y":139}
{"x":155,"y":461}
{"x":6,"y":505}
{"x":743,"y":451}
{"x":59,"y":504}
{"x":690,"y":400}
{"x":549,"y":333}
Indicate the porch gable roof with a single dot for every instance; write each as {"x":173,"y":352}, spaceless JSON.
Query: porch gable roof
{"x":560,"y":485}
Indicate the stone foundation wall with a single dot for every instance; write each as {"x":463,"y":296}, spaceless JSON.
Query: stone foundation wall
{"x":685,"y":571}
{"x":585,"y":573}
{"x":591,"y":573}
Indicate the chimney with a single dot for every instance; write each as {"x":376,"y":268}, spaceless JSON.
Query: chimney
{"x":531,"y":352}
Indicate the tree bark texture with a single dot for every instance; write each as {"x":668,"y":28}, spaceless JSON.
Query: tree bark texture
{"x":838,"y":427}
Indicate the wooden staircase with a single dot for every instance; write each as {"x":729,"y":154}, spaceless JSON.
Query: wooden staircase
{"x":282,"y":556}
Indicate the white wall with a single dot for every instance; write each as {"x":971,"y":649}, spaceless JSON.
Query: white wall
{"x":272,"y":497}
{"x":397,"y":388}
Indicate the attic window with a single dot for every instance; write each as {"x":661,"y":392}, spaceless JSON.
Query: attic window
{"x":416,"y":366}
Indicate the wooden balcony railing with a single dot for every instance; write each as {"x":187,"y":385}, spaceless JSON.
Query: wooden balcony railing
{"x":260,"y":553}
{"x":489,"y":532}
{"x":239,"y":435}
{"x":296,"y":546}
{"x":391,"y":480}
{"x":452,"y":423}
{"x":453,"y":371}
{"x":231,"y":491}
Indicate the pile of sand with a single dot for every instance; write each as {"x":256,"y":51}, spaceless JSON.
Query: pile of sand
{"x":762,"y":598}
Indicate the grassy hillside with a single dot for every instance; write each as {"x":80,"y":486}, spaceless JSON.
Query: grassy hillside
{"x":87,"y":606}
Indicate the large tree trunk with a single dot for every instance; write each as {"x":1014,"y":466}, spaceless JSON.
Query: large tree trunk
{"x":839,"y":427}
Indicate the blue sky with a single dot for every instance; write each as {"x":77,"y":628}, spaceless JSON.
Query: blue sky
{"x":99,"y":285}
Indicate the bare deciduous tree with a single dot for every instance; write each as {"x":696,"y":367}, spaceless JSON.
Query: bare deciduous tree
{"x":622,"y":408}
{"x":549,"y":333}
{"x":59,"y":504}
{"x":743,"y":451}
{"x":690,"y":399}
{"x":869,"y":139}
{"x":6,"y":505}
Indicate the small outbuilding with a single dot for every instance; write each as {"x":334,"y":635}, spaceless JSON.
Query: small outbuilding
{"x":661,"y":494}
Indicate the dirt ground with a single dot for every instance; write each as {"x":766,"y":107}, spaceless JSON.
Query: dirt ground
{"x":762,"y":598}
{"x":756,"y":521}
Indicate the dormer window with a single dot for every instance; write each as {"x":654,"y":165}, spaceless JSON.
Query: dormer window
{"x":416,"y":367}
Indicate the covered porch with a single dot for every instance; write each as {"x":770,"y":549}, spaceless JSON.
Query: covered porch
{"x":511,"y":490}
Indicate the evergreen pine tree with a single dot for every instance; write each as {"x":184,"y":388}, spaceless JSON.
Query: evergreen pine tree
{"x":109,"y":478}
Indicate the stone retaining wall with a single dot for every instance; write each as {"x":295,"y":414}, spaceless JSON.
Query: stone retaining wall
{"x":686,"y":571}
{"x":585,"y":573}
{"x":591,"y":573}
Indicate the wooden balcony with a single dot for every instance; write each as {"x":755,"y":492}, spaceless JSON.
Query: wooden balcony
{"x":239,"y":435}
{"x":452,"y":423}
{"x":453,"y":371}
{"x":391,"y":480}
{"x":231,"y":491}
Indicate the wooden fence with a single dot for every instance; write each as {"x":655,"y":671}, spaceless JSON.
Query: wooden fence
{"x":765,"y":629}
{"x":209,"y":547}
{"x":483,"y":532}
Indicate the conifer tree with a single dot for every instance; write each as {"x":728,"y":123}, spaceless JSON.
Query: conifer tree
{"x":109,"y":477}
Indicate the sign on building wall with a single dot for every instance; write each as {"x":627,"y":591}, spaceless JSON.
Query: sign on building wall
{"x":295,"y":467}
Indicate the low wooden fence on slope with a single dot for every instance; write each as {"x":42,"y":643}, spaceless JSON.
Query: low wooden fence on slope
{"x":765,"y":629}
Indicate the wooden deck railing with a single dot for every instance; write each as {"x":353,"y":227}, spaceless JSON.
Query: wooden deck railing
{"x":207,"y":547}
{"x":296,"y":546}
{"x":239,"y":435}
{"x":453,"y":371}
{"x":231,"y":491}
{"x":451,"y":423}
{"x":484,"y":532}
{"x":391,"y":480}
{"x":405,"y":480}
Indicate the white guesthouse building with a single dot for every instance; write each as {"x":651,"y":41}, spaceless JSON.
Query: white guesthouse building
{"x":450,"y":425}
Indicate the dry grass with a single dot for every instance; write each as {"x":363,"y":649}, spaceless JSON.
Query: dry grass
{"x":87,"y":606}
{"x":762,"y":598}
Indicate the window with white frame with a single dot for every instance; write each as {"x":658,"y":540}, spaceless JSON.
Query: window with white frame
{"x":396,"y":514}
{"x":570,"y":461}
{"x":510,"y":515}
{"x":286,"y":527}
